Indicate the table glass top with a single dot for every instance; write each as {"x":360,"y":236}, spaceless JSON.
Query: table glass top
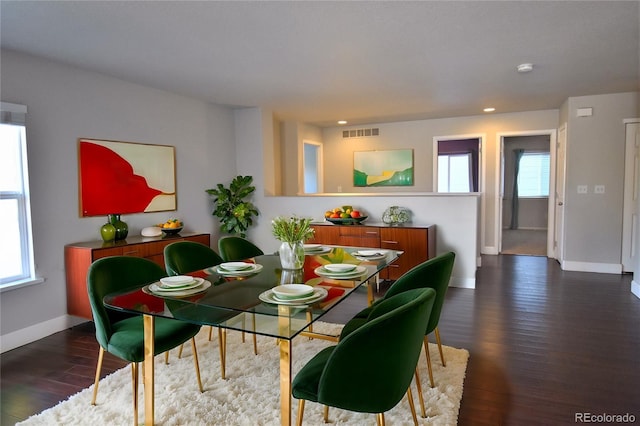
{"x":245,"y":301}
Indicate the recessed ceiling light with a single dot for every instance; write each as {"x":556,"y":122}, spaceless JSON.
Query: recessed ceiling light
{"x":525,"y":67}
{"x":342,"y":122}
{"x":489,"y":109}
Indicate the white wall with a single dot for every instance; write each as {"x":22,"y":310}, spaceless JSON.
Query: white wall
{"x":595,"y":156}
{"x":65,"y":104}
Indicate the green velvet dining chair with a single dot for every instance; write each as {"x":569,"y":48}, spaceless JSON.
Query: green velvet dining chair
{"x":434,"y":273}
{"x":122,"y":334}
{"x":233,"y":248}
{"x":371,"y":368}
{"x":183,"y":257}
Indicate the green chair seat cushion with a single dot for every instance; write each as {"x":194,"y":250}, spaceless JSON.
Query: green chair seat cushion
{"x":127,"y":339}
{"x":305,"y":384}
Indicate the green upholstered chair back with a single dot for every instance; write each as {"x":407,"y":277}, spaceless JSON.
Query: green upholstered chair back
{"x":237,"y":248}
{"x":371,"y":368}
{"x":435,"y":273}
{"x":112,"y":274}
{"x":183,"y":257}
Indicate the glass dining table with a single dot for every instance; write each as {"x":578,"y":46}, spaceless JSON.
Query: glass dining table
{"x":244,"y":300}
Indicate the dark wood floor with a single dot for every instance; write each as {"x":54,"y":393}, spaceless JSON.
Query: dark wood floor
{"x":545,"y":345}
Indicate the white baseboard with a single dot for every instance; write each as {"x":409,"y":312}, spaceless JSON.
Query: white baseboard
{"x":462,"y":282}
{"x":635,"y":289}
{"x":36,"y":332}
{"x":604,"y":268}
{"x":490,"y":250}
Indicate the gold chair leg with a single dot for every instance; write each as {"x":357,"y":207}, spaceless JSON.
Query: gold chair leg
{"x":134,"y":381}
{"x":423,"y":411}
{"x":166,"y":358}
{"x":444,"y":364}
{"x":180,"y":351}
{"x":426,"y":353}
{"x":98,"y":369}
{"x":326,"y":414}
{"x":210,"y":332}
{"x":380,"y":418}
{"x":195,"y":361}
{"x":300,"y":412}
{"x":412,"y":405}
{"x":222,"y":336}
{"x":255,"y":336}
{"x":243,"y":324}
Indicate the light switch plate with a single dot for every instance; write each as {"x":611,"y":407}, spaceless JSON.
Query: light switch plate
{"x":598,"y":189}
{"x":583,"y":189}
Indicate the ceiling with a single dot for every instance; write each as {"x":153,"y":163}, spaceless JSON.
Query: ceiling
{"x":363,"y":61}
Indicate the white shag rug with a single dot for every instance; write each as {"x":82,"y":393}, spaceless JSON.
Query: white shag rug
{"x":251,"y":393}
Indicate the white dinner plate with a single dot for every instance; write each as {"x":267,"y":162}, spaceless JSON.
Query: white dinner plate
{"x":312,"y":247}
{"x":236,"y":266}
{"x":177,"y":281}
{"x":292,"y":291}
{"x":195,"y":282}
{"x":319,"y":293}
{"x":254,"y":269}
{"x":370,"y":254}
{"x":321,"y":250}
{"x":321,"y":271}
{"x":154,"y":289}
{"x":340,"y":268}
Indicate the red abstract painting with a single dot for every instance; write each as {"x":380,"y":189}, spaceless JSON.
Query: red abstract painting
{"x":123,"y":177}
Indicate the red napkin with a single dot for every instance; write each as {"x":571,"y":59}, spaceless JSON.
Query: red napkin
{"x":333,"y":293}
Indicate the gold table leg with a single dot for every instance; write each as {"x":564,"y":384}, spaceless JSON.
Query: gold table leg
{"x":149,"y":332}
{"x":285,"y":366}
{"x":370,"y":296}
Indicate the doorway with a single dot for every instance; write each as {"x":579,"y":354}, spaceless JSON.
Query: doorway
{"x":526,"y":186}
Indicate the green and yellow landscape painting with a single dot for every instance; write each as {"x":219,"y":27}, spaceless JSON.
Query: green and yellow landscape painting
{"x":383,"y":168}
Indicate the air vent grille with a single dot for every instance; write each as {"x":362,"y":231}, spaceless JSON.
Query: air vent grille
{"x":360,"y":133}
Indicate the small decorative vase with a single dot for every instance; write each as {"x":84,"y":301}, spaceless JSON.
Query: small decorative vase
{"x":395,"y":216}
{"x":122,"y":229}
{"x":108,"y":232}
{"x":292,"y":255}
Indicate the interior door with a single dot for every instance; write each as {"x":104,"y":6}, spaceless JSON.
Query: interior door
{"x":558,"y":237}
{"x":630,"y":209}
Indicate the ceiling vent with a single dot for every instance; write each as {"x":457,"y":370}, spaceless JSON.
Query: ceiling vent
{"x":360,"y":133}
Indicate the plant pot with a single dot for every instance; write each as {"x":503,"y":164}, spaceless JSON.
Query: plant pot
{"x":292,"y":255}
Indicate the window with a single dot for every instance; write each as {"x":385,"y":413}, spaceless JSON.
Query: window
{"x":16,"y":251}
{"x":456,"y":164}
{"x":454,"y":173}
{"x":533,"y":175}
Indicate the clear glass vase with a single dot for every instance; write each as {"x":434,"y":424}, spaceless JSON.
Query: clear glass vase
{"x":292,"y":255}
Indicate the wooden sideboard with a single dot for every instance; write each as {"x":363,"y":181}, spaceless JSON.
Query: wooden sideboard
{"x":417,"y":242}
{"x":78,"y":257}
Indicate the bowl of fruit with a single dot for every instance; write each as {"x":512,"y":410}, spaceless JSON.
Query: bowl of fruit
{"x":345,"y":215}
{"x":171,"y":227}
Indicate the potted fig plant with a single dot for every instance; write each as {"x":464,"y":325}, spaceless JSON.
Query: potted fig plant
{"x":232,"y":208}
{"x":292,"y":231}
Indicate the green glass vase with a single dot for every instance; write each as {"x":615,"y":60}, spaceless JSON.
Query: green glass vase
{"x":108,"y":232}
{"x":122,"y":229}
